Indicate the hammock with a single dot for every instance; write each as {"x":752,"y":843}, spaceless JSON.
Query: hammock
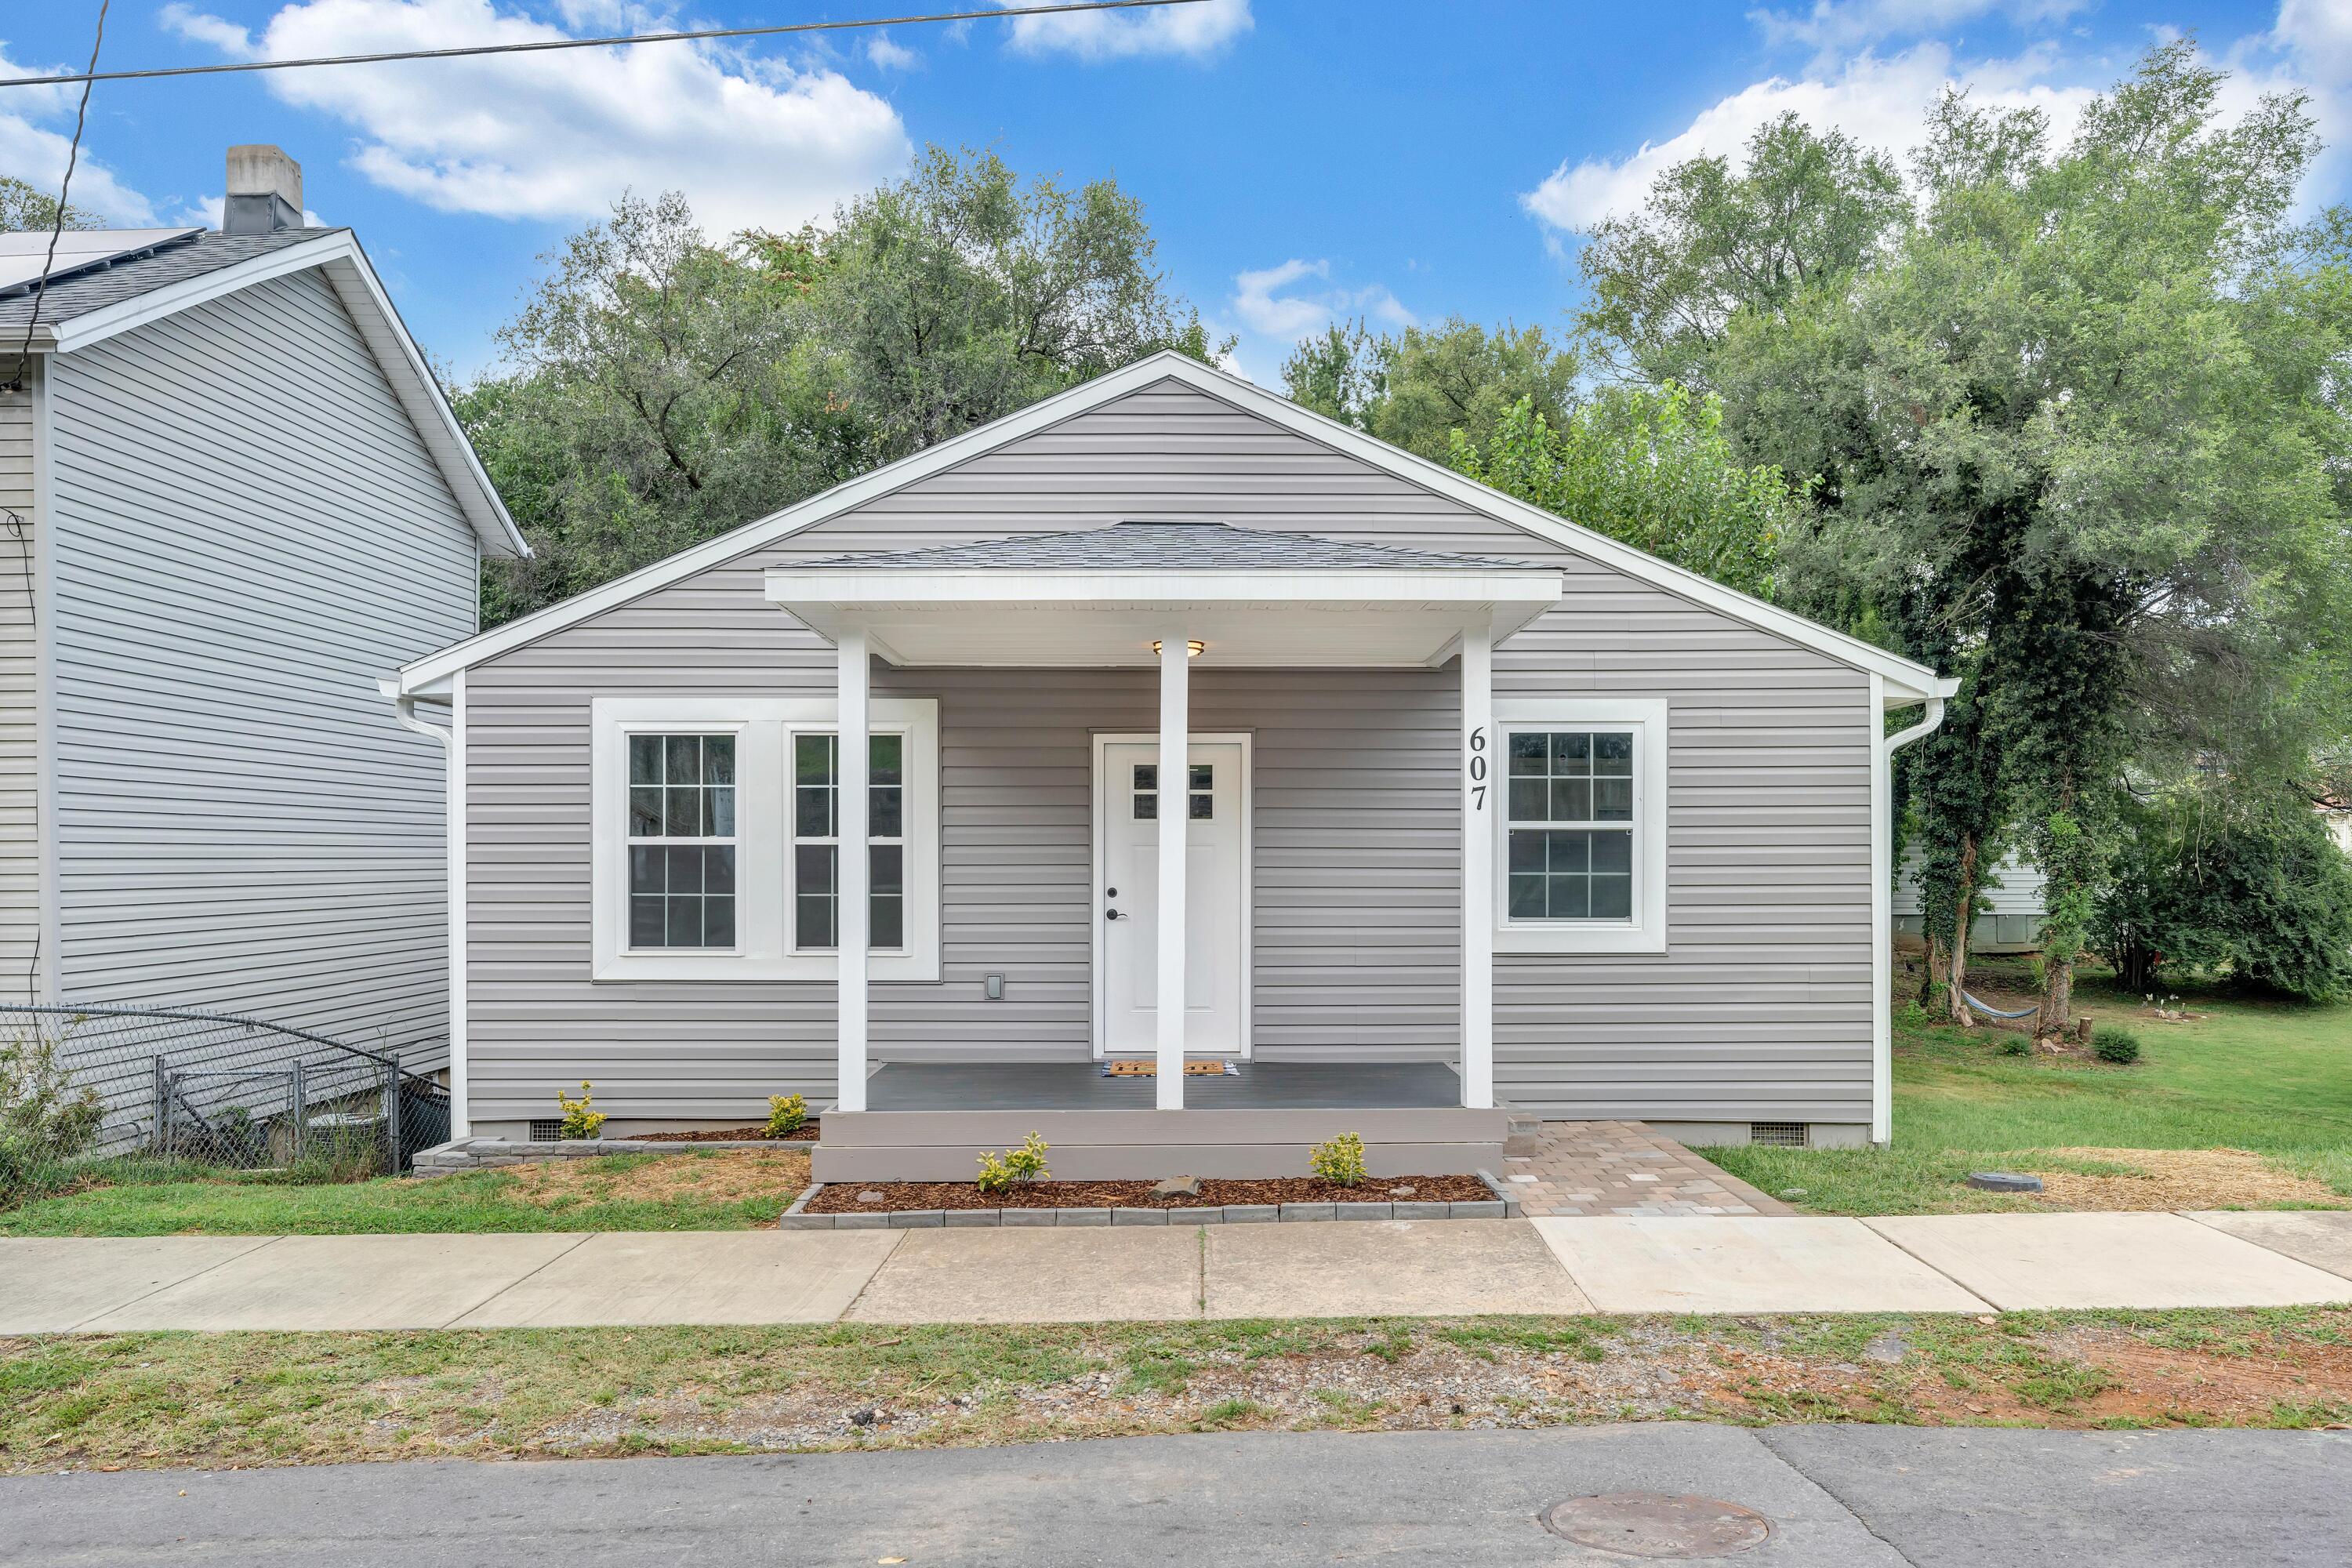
{"x":1997,"y":1013}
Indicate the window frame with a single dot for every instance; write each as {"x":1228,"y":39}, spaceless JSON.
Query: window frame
{"x":666,"y":840}
{"x":765,"y":729}
{"x":794,"y":735}
{"x":1645,"y":930}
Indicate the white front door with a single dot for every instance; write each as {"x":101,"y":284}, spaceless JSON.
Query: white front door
{"x":1129,"y":806}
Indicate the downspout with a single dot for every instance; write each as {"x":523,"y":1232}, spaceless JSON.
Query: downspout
{"x":1882,"y":958}
{"x":404,"y":708}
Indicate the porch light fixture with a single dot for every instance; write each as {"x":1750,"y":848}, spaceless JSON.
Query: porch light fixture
{"x":1192,"y":647}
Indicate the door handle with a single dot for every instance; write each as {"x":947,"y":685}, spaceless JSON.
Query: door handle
{"x":1113,"y":915}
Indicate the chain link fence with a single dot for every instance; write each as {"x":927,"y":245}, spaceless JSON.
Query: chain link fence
{"x":226,"y":1090}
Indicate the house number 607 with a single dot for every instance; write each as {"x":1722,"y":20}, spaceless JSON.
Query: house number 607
{"x":1478,"y":769}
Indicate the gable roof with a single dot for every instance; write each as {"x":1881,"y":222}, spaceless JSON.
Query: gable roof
{"x":1159,"y":545}
{"x":1905,"y":682}
{"x":95,"y":301}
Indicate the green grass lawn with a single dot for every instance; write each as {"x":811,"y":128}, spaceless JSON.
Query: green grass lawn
{"x":2271,"y":1077}
{"x":706,"y":1191}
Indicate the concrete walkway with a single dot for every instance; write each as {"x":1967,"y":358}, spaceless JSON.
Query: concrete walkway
{"x":1944,"y":1263}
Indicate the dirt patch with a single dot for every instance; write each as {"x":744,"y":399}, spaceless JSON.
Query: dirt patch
{"x":721,"y":1176}
{"x":2175,"y":1179}
{"x":899,"y":1196}
{"x":806,"y":1134}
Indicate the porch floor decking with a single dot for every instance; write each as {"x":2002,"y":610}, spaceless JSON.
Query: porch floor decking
{"x":1081,"y":1086}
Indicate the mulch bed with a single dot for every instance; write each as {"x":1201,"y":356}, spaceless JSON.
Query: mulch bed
{"x":807,"y":1134}
{"x":901,"y":1196}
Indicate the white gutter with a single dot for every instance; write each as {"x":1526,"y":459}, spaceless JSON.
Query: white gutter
{"x":1882,"y":894}
{"x":453,"y":747}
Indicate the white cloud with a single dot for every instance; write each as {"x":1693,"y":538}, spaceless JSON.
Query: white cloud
{"x":1194,"y":30}
{"x":560,"y":135}
{"x":35,"y":134}
{"x":1260,"y":299}
{"x":889,"y":54}
{"x":1880,"y":102}
{"x":1844,"y":25}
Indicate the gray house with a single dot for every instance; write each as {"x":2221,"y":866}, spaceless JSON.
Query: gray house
{"x":232,"y":496}
{"x":1226,"y":779}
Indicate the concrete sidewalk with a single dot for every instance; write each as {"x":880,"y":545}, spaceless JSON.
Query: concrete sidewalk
{"x":1945,"y":1263}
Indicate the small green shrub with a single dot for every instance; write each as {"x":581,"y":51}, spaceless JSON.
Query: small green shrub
{"x":44,"y":1119}
{"x":787,"y":1114}
{"x":579,"y":1121}
{"x":2110,"y":1043}
{"x":1340,"y":1160}
{"x":1026,"y":1163}
{"x":2013,"y":1045}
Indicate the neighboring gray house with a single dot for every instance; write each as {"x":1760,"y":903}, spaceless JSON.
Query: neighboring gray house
{"x":2010,"y":909}
{"x":232,"y":495}
{"x":1425,"y":734}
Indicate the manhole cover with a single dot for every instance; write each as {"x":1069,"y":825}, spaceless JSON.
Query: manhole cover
{"x":1652,"y":1524}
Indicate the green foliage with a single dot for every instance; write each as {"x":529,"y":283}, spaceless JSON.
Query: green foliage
{"x":1651,"y":468}
{"x":1425,"y":386}
{"x":1026,"y":1163}
{"x":1338,"y":1160}
{"x":787,"y":1114}
{"x":660,"y":388}
{"x":25,"y":206}
{"x":1802,"y":209}
{"x":2110,"y":1043}
{"x":2218,"y":882}
{"x":44,"y":1119}
{"x":579,"y":1121}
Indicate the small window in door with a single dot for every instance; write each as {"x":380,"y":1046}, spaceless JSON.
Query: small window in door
{"x":1147,"y":792}
{"x":1203,"y":792}
{"x":1199,"y":793}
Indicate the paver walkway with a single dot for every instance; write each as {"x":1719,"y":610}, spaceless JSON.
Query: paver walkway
{"x":1624,"y":1168}
{"x":1628,"y":1264}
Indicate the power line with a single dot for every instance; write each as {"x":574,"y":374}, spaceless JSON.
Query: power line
{"x":93,"y":74}
{"x":65,"y":189}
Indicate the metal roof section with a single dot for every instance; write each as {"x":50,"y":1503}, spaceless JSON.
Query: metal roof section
{"x":102,"y":278}
{"x":22,"y":256}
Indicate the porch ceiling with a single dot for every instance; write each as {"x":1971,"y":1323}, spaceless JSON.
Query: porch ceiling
{"x":1100,"y":596}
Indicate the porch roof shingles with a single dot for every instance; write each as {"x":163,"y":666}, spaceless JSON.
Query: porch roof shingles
{"x":1167,"y":546}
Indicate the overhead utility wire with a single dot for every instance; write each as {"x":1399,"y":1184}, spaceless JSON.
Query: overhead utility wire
{"x":992,"y":13}
{"x":57,"y":226}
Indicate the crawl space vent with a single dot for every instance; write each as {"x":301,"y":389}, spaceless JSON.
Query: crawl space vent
{"x":1777,"y":1134}
{"x":551,"y":1130}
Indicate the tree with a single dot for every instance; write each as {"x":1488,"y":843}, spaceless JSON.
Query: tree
{"x":1711,"y":242}
{"x":1651,"y":468}
{"x":26,"y":208}
{"x":2076,"y":428}
{"x":1417,"y":389}
{"x":659,"y":388}
{"x":959,"y":295}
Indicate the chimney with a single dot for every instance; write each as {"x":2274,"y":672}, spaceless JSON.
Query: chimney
{"x":265,"y":191}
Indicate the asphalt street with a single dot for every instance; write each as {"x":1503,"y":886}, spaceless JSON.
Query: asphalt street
{"x":1819,"y":1496}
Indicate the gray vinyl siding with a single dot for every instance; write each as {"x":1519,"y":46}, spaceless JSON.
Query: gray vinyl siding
{"x":1761,"y":1008}
{"x":20,"y":881}
{"x":249,"y":532}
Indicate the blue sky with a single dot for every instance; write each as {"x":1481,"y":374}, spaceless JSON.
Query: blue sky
{"x":1299,"y":159}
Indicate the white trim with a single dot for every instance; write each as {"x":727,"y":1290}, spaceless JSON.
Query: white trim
{"x":1646,"y":931}
{"x":460,"y":933}
{"x":49,"y":915}
{"x":1481,"y":786}
{"x":1099,"y":1001}
{"x":1883,"y":748}
{"x":1903,"y":675}
{"x":403,"y":362}
{"x":763,"y":948}
{"x":852,"y":866}
{"x":1169,"y":1018}
{"x":1115,"y":589}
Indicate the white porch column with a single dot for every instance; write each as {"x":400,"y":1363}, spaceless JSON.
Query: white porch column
{"x":1175,"y":801}
{"x":1482,"y":778}
{"x":852,"y":875}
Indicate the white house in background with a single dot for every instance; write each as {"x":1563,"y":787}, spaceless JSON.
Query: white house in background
{"x":1173,"y":725}
{"x":230,"y":495}
{"x":2011,"y":908}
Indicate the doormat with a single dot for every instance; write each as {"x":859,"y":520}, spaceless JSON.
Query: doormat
{"x":1132,"y":1067}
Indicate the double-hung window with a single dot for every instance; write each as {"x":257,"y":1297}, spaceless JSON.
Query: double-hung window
{"x":1582,"y":833}
{"x":716,"y":841}
{"x":816,"y":841}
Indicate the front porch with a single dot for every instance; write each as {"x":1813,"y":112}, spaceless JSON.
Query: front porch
{"x":928,"y":1122}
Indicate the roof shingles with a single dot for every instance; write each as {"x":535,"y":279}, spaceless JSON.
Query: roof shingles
{"x":1165,"y":547}
{"x":95,"y":289}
